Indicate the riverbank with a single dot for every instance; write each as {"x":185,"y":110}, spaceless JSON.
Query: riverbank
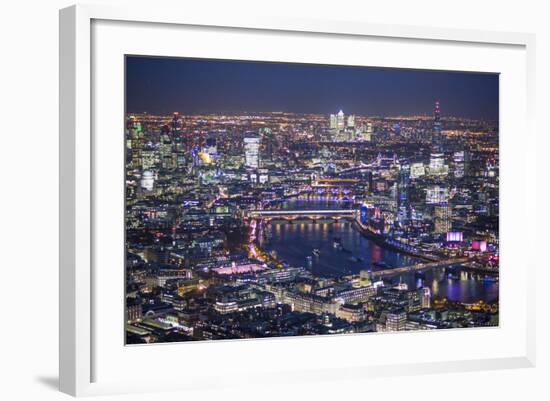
{"x":382,"y":241}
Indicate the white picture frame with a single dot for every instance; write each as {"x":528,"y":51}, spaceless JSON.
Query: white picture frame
{"x":78,"y":184}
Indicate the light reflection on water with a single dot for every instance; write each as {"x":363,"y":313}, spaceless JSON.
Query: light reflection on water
{"x":294,"y":242}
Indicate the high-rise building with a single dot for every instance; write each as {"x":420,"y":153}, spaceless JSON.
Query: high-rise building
{"x":458,"y":164}
{"x":437,"y":164}
{"x":252,"y":150}
{"x":351,"y":121}
{"x":442,"y":218}
{"x":167,"y":148}
{"x":402,"y":194}
{"x":437,"y":195}
{"x":461,"y":163}
{"x":333,"y":121}
{"x":365,"y":132}
{"x":136,"y":142}
{"x":269,"y":144}
{"x":369,"y":130}
{"x":340,"y":119}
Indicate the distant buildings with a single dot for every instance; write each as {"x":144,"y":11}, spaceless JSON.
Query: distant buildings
{"x":209,"y":198}
{"x":344,"y":130}
{"x":340,"y":121}
{"x":442,"y":218}
{"x":437,"y":194}
{"x":252,"y":150}
{"x":147,"y":181}
{"x":437,"y":166}
{"x":333,"y":122}
{"x":396,"y":320}
{"x":417,"y":170}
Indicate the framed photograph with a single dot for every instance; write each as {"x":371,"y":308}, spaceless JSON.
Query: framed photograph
{"x":300,"y":200}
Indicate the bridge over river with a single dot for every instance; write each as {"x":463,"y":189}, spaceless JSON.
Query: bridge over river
{"x":418,"y":266}
{"x":296,"y":214}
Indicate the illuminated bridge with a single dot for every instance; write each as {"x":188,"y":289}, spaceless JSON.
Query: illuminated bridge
{"x":295,"y":214}
{"x":417,"y":266}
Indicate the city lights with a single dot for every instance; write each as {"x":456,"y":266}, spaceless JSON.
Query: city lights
{"x":244,"y":223}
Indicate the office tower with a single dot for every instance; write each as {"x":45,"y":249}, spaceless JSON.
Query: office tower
{"x":351,"y":121}
{"x":442,"y":218}
{"x":136,"y":141}
{"x":369,"y":131}
{"x":269,"y":145}
{"x":333,"y":121}
{"x":366,"y":132}
{"x":402,"y":194}
{"x":340,"y":121}
{"x":252,"y":150}
{"x":458,"y":164}
{"x":166,"y":147}
{"x":436,"y":195}
{"x":176,"y":126}
{"x":437,"y":164}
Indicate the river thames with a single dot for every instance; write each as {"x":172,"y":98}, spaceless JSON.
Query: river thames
{"x":334,"y":249}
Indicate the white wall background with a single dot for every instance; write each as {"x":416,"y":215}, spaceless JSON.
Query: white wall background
{"x":29,"y":201}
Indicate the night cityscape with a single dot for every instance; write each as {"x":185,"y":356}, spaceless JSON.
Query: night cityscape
{"x":278,"y":199}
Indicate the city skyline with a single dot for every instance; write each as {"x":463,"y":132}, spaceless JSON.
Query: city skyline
{"x":275,"y":224}
{"x":209,"y":86}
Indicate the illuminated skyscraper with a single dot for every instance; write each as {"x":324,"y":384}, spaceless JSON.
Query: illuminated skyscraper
{"x":402,"y":194}
{"x":437,"y":164}
{"x":269,"y":144}
{"x":341,"y":124}
{"x":443,"y":218}
{"x":135,"y":141}
{"x":366,"y":132}
{"x":436,"y":195}
{"x":165,"y":148}
{"x":252,"y":150}
{"x":351,"y":121}
{"x":333,"y":121}
{"x":437,"y":161}
{"x":458,"y":164}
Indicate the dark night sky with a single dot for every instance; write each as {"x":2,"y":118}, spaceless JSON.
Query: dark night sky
{"x":163,"y":85}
